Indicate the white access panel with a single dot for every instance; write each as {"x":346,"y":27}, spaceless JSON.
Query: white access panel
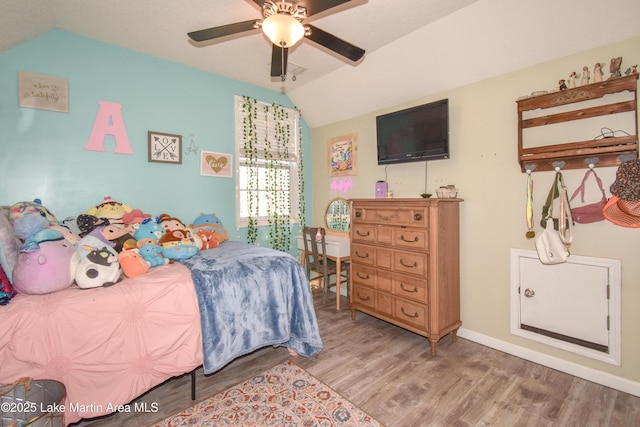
{"x":568,"y":299}
{"x":570,"y":305}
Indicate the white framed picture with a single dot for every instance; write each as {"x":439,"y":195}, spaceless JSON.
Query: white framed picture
{"x":216,"y":164}
{"x":43,"y":92}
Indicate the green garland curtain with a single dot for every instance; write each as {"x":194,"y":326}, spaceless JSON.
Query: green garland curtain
{"x":274,"y":151}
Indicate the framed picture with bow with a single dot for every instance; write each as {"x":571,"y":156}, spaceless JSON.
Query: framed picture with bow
{"x":165,"y":147}
{"x":216,"y":164}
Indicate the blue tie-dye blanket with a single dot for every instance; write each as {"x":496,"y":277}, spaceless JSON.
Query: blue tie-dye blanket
{"x":251,"y":297}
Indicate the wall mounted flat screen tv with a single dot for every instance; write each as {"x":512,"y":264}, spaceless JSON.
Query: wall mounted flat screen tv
{"x":414,"y":134}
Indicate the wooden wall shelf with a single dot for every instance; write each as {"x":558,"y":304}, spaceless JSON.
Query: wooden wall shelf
{"x":609,"y":151}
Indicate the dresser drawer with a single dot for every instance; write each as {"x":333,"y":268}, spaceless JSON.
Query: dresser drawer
{"x":384,"y":303}
{"x":368,"y":276}
{"x":362,"y":295}
{"x":410,"y":262}
{"x":410,"y":238}
{"x":417,"y":216}
{"x":410,"y":313}
{"x":410,"y":288}
{"x":365,"y":297}
{"x":362,"y":254}
{"x":363,"y":275}
{"x":364,"y":233}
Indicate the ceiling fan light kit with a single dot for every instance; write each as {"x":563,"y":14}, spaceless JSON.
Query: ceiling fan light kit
{"x":283,"y":30}
{"x":283,"y":25}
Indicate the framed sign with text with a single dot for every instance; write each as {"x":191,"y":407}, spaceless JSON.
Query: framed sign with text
{"x":216,"y":164}
{"x":165,"y":147}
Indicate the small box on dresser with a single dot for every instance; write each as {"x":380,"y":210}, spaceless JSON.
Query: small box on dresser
{"x":405,"y":264}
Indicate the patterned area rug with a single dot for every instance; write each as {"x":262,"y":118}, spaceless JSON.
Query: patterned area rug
{"x":284,"y":395}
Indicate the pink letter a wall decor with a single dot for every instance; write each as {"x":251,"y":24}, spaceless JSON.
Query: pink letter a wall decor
{"x":109,"y":122}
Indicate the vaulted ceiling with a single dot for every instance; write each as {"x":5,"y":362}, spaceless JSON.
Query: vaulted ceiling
{"x":413,"y":47}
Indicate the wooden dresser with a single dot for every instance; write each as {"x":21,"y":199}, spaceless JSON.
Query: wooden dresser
{"x":405,"y":264}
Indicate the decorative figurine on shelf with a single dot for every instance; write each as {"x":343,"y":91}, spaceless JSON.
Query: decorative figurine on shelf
{"x":631,"y":70}
{"x":562,"y":85}
{"x":572,"y":80}
{"x":597,"y":73}
{"x":614,"y":67}
{"x":585,"y":76}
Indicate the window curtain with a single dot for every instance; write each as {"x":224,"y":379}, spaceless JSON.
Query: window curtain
{"x":269,"y":150}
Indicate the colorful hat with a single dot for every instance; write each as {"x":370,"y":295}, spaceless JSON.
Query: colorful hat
{"x":623,"y":208}
{"x":625,"y":213}
{"x":627,"y":183}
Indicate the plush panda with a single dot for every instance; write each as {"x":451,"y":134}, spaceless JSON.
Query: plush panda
{"x":100,"y":267}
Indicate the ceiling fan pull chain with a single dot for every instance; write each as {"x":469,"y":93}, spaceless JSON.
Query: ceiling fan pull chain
{"x":283,"y":76}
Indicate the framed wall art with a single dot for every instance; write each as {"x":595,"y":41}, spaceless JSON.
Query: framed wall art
{"x":216,"y":164}
{"x":43,"y":92}
{"x":342,"y":155}
{"x":165,"y":147}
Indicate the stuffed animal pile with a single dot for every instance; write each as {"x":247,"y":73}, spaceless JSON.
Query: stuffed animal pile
{"x":98,"y":247}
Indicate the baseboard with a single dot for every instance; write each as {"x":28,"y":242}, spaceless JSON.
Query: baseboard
{"x":589,"y":374}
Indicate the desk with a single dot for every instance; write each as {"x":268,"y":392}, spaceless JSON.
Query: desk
{"x":338,"y":249}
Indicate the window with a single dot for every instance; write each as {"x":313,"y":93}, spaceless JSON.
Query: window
{"x":268,"y":167}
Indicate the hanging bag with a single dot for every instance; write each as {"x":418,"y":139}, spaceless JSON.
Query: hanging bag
{"x":591,"y":212}
{"x":553,"y":244}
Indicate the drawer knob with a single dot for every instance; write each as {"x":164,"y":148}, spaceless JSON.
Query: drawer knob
{"x":407,"y":314}
{"x":362,"y":276}
{"x":415,"y":239}
{"x":358,"y":214}
{"x":415,"y":289}
{"x":417,"y":216}
{"x":362,"y":256}
{"x":414,"y":265}
{"x":362,"y":235}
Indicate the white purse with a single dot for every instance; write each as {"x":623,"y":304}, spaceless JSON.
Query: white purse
{"x":553,"y":245}
{"x":550,"y":248}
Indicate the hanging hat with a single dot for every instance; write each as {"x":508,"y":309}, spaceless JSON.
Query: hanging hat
{"x":627,"y":183}
{"x":625,"y":213}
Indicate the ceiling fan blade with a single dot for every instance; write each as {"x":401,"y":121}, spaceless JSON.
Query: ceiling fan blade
{"x":222,"y":31}
{"x":335,"y":44}
{"x":279,"y":57}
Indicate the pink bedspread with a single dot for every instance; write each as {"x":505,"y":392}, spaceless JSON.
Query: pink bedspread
{"x":106,"y":345}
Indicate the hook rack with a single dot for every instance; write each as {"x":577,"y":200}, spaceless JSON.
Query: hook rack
{"x":591,"y":162}
{"x":609,"y":151}
{"x":626,"y":157}
{"x":558,"y":165}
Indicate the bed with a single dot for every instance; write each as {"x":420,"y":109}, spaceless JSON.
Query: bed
{"x":110,"y":345}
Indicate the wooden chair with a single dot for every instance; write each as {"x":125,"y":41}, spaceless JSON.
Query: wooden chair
{"x":316,"y":262}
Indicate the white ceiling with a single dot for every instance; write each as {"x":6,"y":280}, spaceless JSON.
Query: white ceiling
{"x":413,"y":47}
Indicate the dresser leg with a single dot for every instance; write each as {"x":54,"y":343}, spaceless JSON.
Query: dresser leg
{"x":433,"y":344}
{"x":353,"y":314}
{"x":454,"y":335}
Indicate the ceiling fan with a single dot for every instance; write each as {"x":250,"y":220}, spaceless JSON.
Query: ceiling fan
{"x":283,"y":24}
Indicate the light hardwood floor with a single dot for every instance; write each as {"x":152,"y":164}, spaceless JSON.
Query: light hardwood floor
{"x":389,"y":372}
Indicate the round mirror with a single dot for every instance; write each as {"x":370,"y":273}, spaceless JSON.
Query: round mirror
{"x":338,"y":215}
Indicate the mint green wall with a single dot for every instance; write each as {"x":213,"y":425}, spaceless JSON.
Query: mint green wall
{"x":42,"y":152}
